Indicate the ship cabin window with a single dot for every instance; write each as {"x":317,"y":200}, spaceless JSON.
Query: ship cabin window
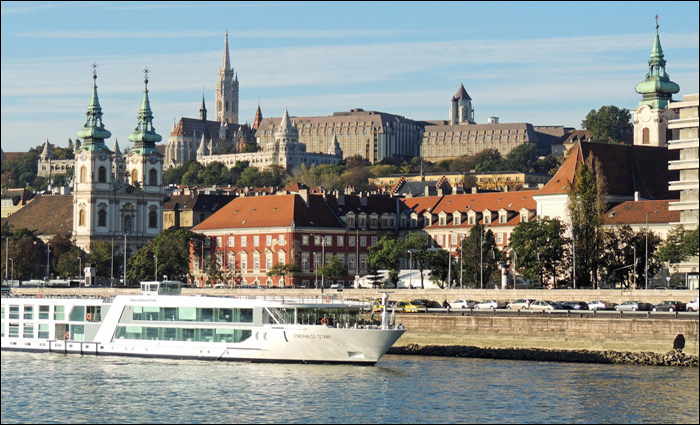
{"x":77,"y":314}
{"x":179,"y":334}
{"x":192,"y":314}
{"x":14,"y":330}
{"x":14,"y":312}
{"x":28,"y":331}
{"x":59,"y":312}
{"x":28,"y":312}
{"x":43,"y":331}
{"x":43,"y":312}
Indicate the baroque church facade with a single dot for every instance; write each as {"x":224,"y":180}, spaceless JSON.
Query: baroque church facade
{"x":111,"y":203}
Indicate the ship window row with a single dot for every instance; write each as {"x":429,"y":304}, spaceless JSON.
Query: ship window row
{"x":77,"y":313}
{"x":27,"y":331}
{"x":193,"y":314}
{"x":182,"y":334}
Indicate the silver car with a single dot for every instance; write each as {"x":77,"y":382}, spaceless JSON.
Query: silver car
{"x":463,"y":304}
{"x":600,"y":305}
{"x":519,"y":304}
{"x":634,"y":306}
{"x":544,"y":305}
{"x":492,"y":304}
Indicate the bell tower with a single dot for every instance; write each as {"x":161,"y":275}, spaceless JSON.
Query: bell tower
{"x":226,"y":106}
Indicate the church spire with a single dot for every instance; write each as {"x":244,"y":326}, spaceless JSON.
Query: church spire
{"x":258,"y":118}
{"x":657,"y":88}
{"x":94,"y":132}
{"x":145,"y":136}
{"x":227,"y":62}
{"x":203,"y":109}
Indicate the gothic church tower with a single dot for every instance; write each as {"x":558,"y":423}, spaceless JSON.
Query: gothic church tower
{"x":226,"y":106}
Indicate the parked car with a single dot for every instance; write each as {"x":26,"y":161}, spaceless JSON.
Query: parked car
{"x":519,"y":304}
{"x":634,"y":306}
{"x":574,"y":305}
{"x":337,"y":286}
{"x":669,"y":306}
{"x":544,"y":305}
{"x":693,"y":305}
{"x":600,"y":305}
{"x":463,"y":304}
{"x":493,"y":304}
{"x":409,"y":307}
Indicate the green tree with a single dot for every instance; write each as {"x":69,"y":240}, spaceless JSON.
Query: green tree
{"x":172,"y":247}
{"x":609,"y":124}
{"x":285,"y":270}
{"x":103,"y":256}
{"x":386,"y":254}
{"x":539,"y":246}
{"x":679,"y":246}
{"x":419,"y":246}
{"x":586,"y":204}
{"x":64,"y":257}
{"x":334,"y":270}
{"x":479,"y":255}
{"x":28,"y":254}
{"x":439,"y":267}
{"x":522,"y":158}
{"x":623,"y":247}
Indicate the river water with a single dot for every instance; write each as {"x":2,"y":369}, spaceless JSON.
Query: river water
{"x":57,"y":388}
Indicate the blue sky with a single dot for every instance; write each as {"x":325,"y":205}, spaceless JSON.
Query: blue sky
{"x":544,"y":63}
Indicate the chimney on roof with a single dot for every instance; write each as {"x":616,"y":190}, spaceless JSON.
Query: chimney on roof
{"x":439,"y":192}
{"x":363,"y":198}
{"x":636,"y":196}
{"x":475,"y":189}
{"x":340,"y":197}
{"x":304,"y":194}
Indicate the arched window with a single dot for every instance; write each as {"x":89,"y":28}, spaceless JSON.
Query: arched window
{"x":81,"y":218}
{"x":102,"y":175}
{"x":102,"y":218}
{"x":134,"y":177}
{"x":645,"y":136}
{"x":83,"y":174}
{"x":153,"y":178}
{"x":152,"y":220}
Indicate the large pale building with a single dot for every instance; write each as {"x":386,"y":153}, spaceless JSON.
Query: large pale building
{"x":109,"y":205}
{"x":369,"y":134}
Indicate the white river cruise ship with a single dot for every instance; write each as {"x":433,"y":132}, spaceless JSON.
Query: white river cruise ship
{"x":162,"y":323}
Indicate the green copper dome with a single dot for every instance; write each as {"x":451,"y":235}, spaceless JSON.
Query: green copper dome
{"x":657,"y":88}
{"x":145,"y":136}
{"x":94,"y":132}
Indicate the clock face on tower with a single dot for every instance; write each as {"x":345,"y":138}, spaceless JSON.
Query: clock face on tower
{"x":83,"y":155}
{"x":103,"y":155}
{"x":153,"y":158}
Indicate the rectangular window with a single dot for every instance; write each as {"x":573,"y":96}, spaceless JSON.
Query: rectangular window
{"x":305,"y":239}
{"x":231,"y":241}
{"x":244,"y":262}
{"x":244,"y":240}
{"x":374,"y":240}
{"x":363,"y":240}
{"x":439,"y":240}
{"x":14,"y":312}
{"x":77,"y":314}
{"x":282,"y":240}
{"x":457,"y":220}
{"x":268,"y":262}
{"x":351,"y":263}
{"x":317,"y":240}
{"x":305,"y":262}
{"x":363,"y":262}
{"x":341,"y":241}
{"x":256,"y":240}
{"x":503,"y":218}
{"x":351,"y":240}
{"x":256,"y":262}
{"x":14,"y":330}
{"x":44,"y":331}
{"x":219,"y":241}
{"x":454,"y":240}
{"x":499,"y":238}
{"x":268,"y":240}
{"x":59,"y":312}
{"x":28,"y":331}
{"x":43,"y":312}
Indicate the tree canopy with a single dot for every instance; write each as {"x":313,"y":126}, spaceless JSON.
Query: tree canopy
{"x":609,"y":124}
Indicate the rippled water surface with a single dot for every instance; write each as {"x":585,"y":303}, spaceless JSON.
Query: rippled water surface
{"x":56,"y":388}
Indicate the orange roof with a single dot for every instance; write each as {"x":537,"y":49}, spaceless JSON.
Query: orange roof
{"x":271,"y":211}
{"x":637,"y":212}
{"x":479,"y":202}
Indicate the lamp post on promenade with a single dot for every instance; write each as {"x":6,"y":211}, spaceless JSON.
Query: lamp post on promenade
{"x":13,"y":268}
{"x":80,"y":268}
{"x":646,"y":250}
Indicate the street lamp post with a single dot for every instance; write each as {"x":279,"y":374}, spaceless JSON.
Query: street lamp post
{"x":48,"y":256}
{"x":13,"y":268}
{"x":124,"y":277}
{"x":156,"y":257}
{"x":482,"y":256}
{"x":323,"y":258}
{"x":7,"y":254}
{"x":111,"y":274}
{"x":410,"y":268}
{"x":80,"y":268}
{"x":449,"y":262}
{"x":646,"y":250}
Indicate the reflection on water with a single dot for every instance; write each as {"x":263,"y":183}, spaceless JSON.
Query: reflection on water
{"x":41,"y":388}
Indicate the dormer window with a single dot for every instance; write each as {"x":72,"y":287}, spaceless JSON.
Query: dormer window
{"x":457,"y":220}
{"x":503,"y":218}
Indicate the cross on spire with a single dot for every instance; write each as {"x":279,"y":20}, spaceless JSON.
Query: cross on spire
{"x":657,"y":20}
{"x":145,"y":78}
{"x":94,"y":70}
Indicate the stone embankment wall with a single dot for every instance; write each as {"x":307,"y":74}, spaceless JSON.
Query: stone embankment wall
{"x":638,"y":334}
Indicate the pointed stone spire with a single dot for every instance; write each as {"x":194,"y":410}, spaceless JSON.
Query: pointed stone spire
{"x":258,"y":118}
{"x":657,"y":88}
{"x":461,"y":94}
{"x":46,"y":153}
{"x":286,"y":125}
{"x":116,"y":149}
{"x":227,"y":62}
{"x":335,"y":149}
{"x":202,"y":150}
{"x":94,"y":132}
{"x":145,"y":136}
{"x":203,"y":109}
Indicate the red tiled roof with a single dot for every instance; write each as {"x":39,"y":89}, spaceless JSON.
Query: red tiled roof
{"x":637,"y":212}
{"x":271,"y":211}
{"x":45,"y":216}
{"x":479,"y":202}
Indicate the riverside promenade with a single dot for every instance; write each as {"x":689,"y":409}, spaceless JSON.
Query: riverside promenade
{"x":525,"y":333}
